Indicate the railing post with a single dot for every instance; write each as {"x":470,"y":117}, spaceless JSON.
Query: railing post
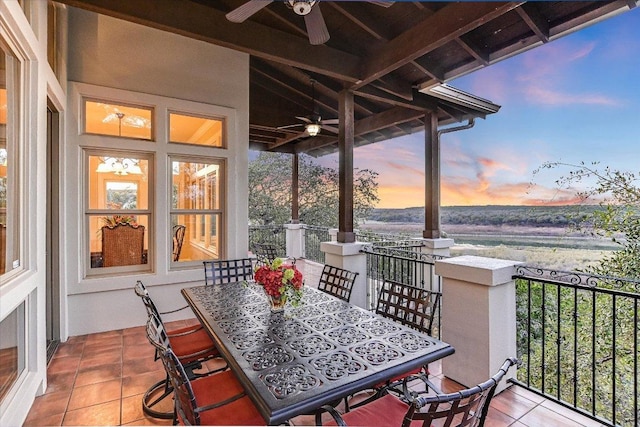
{"x":478,"y":316}
{"x":349,"y":257}
{"x":294,"y":237}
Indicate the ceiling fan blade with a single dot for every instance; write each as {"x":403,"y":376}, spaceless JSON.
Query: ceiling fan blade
{"x":316,"y":27}
{"x":304,"y":119}
{"x":381,"y":3}
{"x":242,"y":13}
{"x":290,"y":126}
{"x":330,"y":128}
{"x":330,"y":122}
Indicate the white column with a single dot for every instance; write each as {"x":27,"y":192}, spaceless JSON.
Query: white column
{"x":294,"y":234}
{"x":478,"y":317}
{"x":348,"y":257}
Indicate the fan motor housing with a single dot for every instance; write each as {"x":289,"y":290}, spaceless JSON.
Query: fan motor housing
{"x":302,"y":7}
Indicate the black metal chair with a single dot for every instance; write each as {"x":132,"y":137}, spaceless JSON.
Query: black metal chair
{"x":337,"y":282}
{"x":178,"y":237}
{"x":464,"y":408}
{"x":227,"y":271}
{"x":193,"y":345}
{"x":265,"y":252}
{"x":217,"y":399}
{"x":411,"y":306}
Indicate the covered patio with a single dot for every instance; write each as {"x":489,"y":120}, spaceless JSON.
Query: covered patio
{"x":358,"y":73}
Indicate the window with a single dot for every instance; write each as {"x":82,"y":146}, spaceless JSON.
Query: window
{"x":121,"y":120}
{"x":9,"y":163}
{"x":118,"y":211}
{"x":12,"y":349}
{"x":197,"y":204}
{"x":189,"y":129}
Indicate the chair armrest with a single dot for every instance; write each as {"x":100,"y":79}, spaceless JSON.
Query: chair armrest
{"x":410,"y":395}
{"x":335,"y":414}
{"x":221,"y":403}
{"x":174,"y":311}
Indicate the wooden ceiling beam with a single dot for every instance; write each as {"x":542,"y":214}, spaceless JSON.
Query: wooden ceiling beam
{"x":420,"y":102}
{"x":195,"y":20}
{"x":392,"y":117}
{"x":443,"y":26}
{"x":481,"y":55}
{"x":534,"y":20}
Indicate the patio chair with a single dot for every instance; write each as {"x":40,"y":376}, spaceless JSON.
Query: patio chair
{"x":192,"y":344}
{"x":413,"y":307}
{"x":178,"y":238}
{"x":466,"y":408}
{"x":122,"y":244}
{"x":227,"y":271}
{"x":337,"y":282}
{"x":265,"y":252}
{"x":217,"y":399}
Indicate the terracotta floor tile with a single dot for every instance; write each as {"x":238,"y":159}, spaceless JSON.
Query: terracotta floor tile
{"x":105,"y":414}
{"x":496,"y":418}
{"x":95,"y":374}
{"x":512,"y":404}
{"x":138,"y":330}
{"x":544,"y":417}
{"x":64,"y":364}
{"x":131,"y":409}
{"x":135,"y":340}
{"x":570,"y":414}
{"x":107,"y":342}
{"x":49,"y":404}
{"x":140,"y":366}
{"x":137,"y":384}
{"x":94,"y":394}
{"x":139,"y":351}
{"x":149,"y":421}
{"x":99,"y":359}
{"x":66,"y":349}
{"x":49,"y":420}
{"x":534,"y":397}
{"x":60,"y":381}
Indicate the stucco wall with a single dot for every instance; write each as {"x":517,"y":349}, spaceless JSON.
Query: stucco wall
{"x":111,"y":53}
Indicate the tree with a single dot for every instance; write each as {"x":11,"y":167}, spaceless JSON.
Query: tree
{"x":617,"y":194}
{"x":270,"y":191}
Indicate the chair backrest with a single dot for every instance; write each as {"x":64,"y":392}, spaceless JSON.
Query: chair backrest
{"x":157,"y":335}
{"x":141,"y":291}
{"x":227,"y":271}
{"x":337,"y":282}
{"x":178,"y":238}
{"x":265,"y":252}
{"x":412,"y":306}
{"x":184,"y":397}
{"x":466,"y":408}
{"x":122,"y":245}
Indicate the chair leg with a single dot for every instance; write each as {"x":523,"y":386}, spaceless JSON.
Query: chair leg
{"x":149,"y":400}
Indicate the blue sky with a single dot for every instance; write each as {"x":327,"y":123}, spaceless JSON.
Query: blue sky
{"x":574,"y":99}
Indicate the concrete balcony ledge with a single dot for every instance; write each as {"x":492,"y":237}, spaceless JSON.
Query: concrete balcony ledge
{"x":341,"y":249}
{"x":475,"y":269}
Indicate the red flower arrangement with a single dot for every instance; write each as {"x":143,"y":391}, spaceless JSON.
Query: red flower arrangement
{"x":280,"y":280}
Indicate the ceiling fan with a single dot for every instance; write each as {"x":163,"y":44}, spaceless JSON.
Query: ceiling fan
{"x":309,"y":9}
{"x":313,"y":123}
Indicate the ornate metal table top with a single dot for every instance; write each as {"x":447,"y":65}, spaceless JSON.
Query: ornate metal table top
{"x":294,"y":361}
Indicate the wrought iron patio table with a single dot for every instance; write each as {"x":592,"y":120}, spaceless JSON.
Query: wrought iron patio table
{"x":293,"y":362}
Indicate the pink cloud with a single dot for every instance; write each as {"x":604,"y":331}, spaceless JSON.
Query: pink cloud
{"x":548,"y":96}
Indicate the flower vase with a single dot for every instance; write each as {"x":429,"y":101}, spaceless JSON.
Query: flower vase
{"x":277,"y":303}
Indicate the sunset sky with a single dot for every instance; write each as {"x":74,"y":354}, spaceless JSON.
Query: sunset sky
{"x":574,"y":99}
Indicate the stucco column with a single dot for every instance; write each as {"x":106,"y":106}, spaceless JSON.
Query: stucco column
{"x":294,"y":235}
{"x":478,"y":316}
{"x":349,"y":257}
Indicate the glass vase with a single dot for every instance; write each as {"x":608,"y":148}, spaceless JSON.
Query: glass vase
{"x":277,"y":303}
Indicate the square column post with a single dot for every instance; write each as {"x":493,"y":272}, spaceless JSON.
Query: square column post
{"x":478,"y":316}
{"x":295,"y":237}
{"x":349,"y":257}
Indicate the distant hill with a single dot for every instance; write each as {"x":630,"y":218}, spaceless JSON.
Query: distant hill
{"x":530,"y":216}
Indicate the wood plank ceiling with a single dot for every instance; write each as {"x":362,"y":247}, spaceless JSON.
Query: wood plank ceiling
{"x":390,"y":54}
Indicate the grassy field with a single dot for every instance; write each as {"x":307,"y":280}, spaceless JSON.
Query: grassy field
{"x":548,"y":247}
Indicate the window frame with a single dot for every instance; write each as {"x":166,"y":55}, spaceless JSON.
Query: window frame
{"x":88,"y":212}
{"x":83,"y":118}
{"x":223,"y":120}
{"x":219,"y":212}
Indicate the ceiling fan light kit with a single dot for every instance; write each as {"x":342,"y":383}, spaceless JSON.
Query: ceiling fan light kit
{"x":313,"y":129}
{"x":301,"y":7}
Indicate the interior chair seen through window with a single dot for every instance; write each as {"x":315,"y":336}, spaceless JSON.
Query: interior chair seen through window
{"x":227,"y":271}
{"x":178,"y":238}
{"x":218,"y":399}
{"x":192,"y":344}
{"x":467,"y":407}
{"x":122,"y":244}
{"x":337,"y":282}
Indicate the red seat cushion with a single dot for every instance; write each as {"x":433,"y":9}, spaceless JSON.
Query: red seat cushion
{"x":184,"y":330}
{"x":388,"y":411}
{"x":241,"y":412}
{"x":216,"y":388}
{"x":194,"y":346}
